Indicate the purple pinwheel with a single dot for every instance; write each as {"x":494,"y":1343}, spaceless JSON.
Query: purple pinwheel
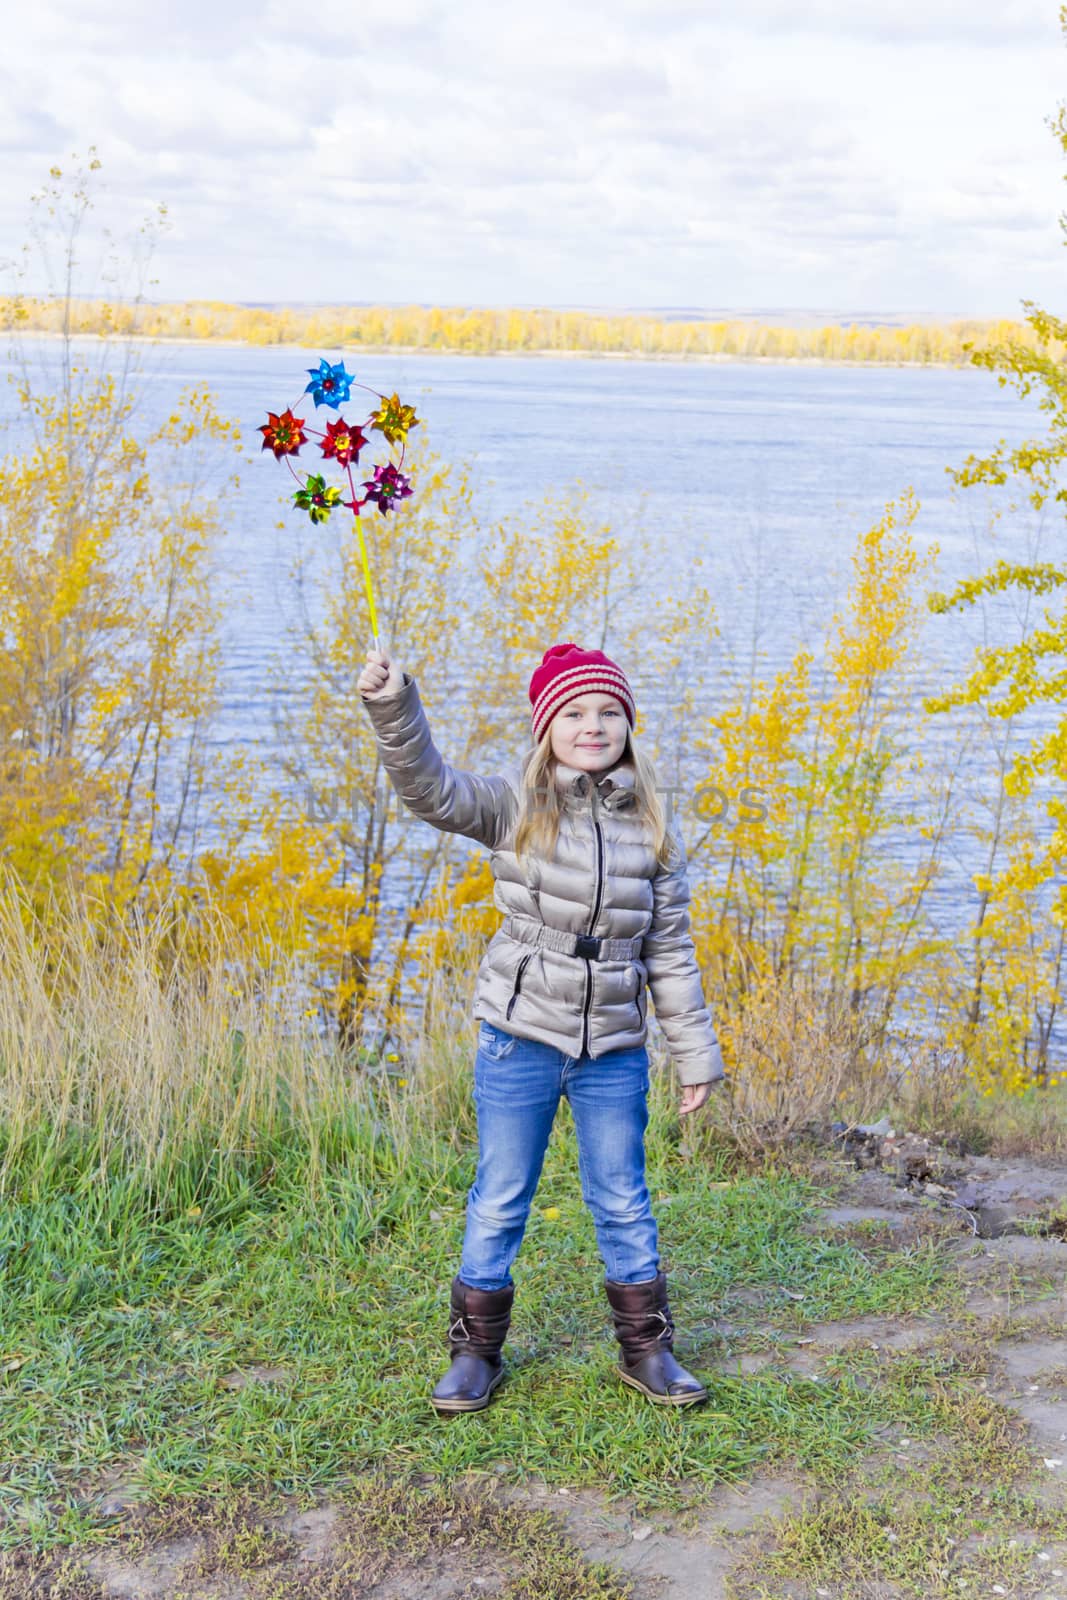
{"x":329,"y":386}
{"x":387,"y":485}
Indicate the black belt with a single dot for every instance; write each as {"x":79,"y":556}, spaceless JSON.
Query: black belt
{"x":590,"y":946}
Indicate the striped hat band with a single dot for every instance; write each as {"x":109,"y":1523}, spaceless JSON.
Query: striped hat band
{"x":597,"y":675}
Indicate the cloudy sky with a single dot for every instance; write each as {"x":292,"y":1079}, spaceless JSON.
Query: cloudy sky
{"x":821,"y":154}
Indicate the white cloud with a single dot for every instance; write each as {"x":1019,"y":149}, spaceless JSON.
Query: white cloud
{"x":642,"y":151}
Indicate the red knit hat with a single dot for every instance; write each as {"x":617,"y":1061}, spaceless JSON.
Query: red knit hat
{"x":567,"y":671}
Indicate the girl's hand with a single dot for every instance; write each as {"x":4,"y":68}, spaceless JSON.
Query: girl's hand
{"x":693,"y":1096}
{"x":380,"y":677}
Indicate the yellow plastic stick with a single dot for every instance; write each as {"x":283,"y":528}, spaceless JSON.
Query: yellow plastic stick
{"x":367,"y":582}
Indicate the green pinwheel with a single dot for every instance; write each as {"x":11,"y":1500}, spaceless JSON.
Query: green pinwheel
{"x":317,"y":497}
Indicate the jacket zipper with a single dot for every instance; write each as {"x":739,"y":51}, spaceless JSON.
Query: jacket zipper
{"x":593,"y":922}
{"x":515,"y":991}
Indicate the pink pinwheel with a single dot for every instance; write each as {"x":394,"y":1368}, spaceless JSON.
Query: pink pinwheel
{"x":386,"y":487}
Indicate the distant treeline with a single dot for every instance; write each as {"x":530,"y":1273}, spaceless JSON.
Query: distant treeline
{"x":482,"y":332}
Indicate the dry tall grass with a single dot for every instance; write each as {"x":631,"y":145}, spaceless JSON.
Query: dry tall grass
{"x":143,"y":1046}
{"x":800,"y":1056}
{"x":113,"y":1039}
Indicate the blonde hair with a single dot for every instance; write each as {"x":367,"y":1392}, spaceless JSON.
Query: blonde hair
{"x":541,"y":802}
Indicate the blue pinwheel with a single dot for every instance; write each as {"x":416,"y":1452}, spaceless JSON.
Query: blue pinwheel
{"x":329,"y":386}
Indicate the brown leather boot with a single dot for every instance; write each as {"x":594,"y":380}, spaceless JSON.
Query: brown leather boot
{"x":645,"y":1333}
{"x":479,"y":1326}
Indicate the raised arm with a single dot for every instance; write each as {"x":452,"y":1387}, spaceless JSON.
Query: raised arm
{"x":674,"y":979}
{"x":455,"y":801}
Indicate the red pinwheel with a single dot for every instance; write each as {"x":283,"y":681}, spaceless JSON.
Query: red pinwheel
{"x":343,"y":442}
{"x":283,"y":433}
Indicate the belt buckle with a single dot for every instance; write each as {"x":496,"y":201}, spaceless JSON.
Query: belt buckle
{"x":588,"y":945}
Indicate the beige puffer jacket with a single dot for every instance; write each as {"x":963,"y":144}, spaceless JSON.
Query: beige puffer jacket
{"x":588,"y":929}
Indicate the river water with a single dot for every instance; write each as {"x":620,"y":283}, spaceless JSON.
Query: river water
{"x":769,"y":471}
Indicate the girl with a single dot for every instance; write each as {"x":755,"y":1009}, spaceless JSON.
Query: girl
{"x":596,"y":901}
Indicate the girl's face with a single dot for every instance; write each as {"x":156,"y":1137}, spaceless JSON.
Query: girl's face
{"x":589,"y":732}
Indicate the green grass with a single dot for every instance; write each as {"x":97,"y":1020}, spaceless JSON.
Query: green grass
{"x":125,"y":1316}
{"x":240,"y":1331}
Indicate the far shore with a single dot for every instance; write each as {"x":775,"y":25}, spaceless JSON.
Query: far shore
{"x":453,"y":350}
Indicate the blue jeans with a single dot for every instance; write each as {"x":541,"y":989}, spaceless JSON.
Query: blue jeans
{"x":517,"y":1089}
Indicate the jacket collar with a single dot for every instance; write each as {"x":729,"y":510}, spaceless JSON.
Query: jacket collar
{"x":614,"y":787}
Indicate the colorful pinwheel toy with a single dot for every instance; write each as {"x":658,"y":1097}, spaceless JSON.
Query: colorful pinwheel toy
{"x":342,"y":443}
